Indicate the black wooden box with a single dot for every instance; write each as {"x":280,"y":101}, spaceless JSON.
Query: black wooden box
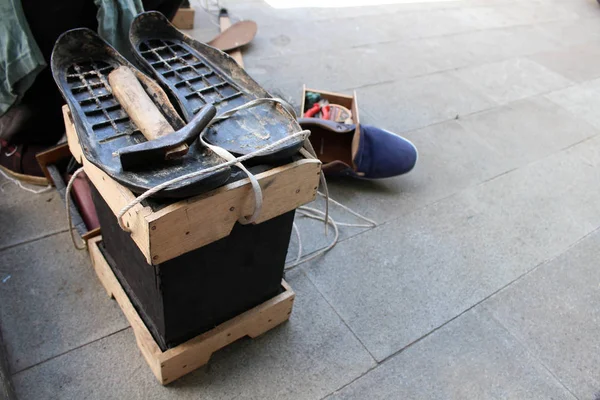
{"x":194,"y":292}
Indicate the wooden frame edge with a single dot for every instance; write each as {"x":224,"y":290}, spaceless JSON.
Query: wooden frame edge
{"x":180,"y":360}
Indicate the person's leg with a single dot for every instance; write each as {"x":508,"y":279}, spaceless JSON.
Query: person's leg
{"x":47,"y":21}
{"x":167,"y":7}
{"x":36,"y":122}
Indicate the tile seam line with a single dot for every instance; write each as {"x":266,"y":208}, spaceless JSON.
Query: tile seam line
{"x":478,"y":92}
{"x":537,"y":266}
{"x":527,"y":56}
{"x":571,"y":84}
{"x":483,"y":182}
{"x":450,"y":196}
{"x":329,"y":20}
{"x":350,"y":382}
{"x":67,"y":351}
{"x":465,"y":32}
{"x":341,"y":319}
{"x":29,"y":241}
{"x":527,"y":349}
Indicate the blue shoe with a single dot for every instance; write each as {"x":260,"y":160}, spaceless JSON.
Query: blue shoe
{"x":367,"y":152}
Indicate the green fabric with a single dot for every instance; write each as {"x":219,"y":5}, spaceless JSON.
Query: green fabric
{"x":114,"y":20}
{"x":20,"y":57}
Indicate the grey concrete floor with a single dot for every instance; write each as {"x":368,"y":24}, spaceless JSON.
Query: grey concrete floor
{"x":481,"y":280}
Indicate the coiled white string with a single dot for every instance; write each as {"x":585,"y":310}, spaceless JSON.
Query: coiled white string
{"x":311,"y":212}
{"x":19,"y":184}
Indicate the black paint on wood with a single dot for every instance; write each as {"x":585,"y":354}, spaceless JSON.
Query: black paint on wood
{"x":191,"y":294}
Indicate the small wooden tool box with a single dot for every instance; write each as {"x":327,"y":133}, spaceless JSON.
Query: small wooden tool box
{"x":188,"y":268}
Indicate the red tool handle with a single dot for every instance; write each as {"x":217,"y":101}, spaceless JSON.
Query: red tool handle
{"x":312,"y":111}
{"x":326,"y":111}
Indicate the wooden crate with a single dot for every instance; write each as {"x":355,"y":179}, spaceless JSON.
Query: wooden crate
{"x":192,"y":223}
{"x":172,"y":364}
{"x":350,"y":102}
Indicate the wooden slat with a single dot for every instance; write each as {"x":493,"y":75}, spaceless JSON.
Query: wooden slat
{"x":144,"y":338}
{"x":192,"y":223}
{"x":225,"y":23}
{"x":180,"y":228}
{"x":115,"y":194}
{"x":72,"y":139}
{"x":174,"y":363}
{"x":52,"y":156}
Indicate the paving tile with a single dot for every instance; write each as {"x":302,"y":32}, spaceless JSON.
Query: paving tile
{"x":527,"y":130}
{"x":26,"y":216}
{"x":314,"y":237}
{"x":579,"y":101}
{"x":460,"y":153}
{"x":511,"y":80}
{"x":583,"y":8}
{"x":346,"y":68}
{"x":426,"y":23}
{"x":52,"y":301}
{"x":472,"y":357}
{"x":573,"y":31}
{"x":418,"y":102}
{"x":451,"y":159}
{"x":520,"y":13}
{"x":311,"y":36}
{"x":332,"y":70}
{"x":397,"y":282}
{"x":491,"y":45}
{"x":306,"y":358}
{"x":577,"y":63}
{"x":554,"y":312}
{"x":265,"y":14}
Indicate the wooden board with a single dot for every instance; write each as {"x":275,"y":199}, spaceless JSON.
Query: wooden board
{"x":176,"y":362}
{"x":195,"y":222}
{"x":224,"y":24}
{"x":52,"y":156}
{"x":184,"y":18}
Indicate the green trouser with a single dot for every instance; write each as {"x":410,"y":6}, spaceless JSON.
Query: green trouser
{"x":20,"y":57}
{"x":23,"y":59}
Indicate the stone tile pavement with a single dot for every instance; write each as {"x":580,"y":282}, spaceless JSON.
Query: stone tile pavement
{"x":481,"y":280}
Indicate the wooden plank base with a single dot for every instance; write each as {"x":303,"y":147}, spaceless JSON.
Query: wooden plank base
{"x":172,"y":364}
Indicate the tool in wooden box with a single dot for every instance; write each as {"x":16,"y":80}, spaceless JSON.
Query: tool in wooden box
{"x":196,"y":74}
{"x":114,"y":115}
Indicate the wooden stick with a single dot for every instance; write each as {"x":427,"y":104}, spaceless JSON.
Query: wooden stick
{"x":141,"y":109}
{"x":224,"y":23}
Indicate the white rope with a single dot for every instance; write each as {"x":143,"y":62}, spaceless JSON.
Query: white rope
{"x":258,"y":197}
{"x":319,"y":215}
{"x":299,"y":238}
{"x":20,"y":184}
{"x":371,"y":224}
{"x":306,"y":212}
{"x":228,"y":156}
{"x":68,"y":204}
{"x":194,"y":174}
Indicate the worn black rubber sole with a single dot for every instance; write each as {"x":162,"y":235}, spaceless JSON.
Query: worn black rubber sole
{"x":81,"y":62}
{"x":195,"y":74}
